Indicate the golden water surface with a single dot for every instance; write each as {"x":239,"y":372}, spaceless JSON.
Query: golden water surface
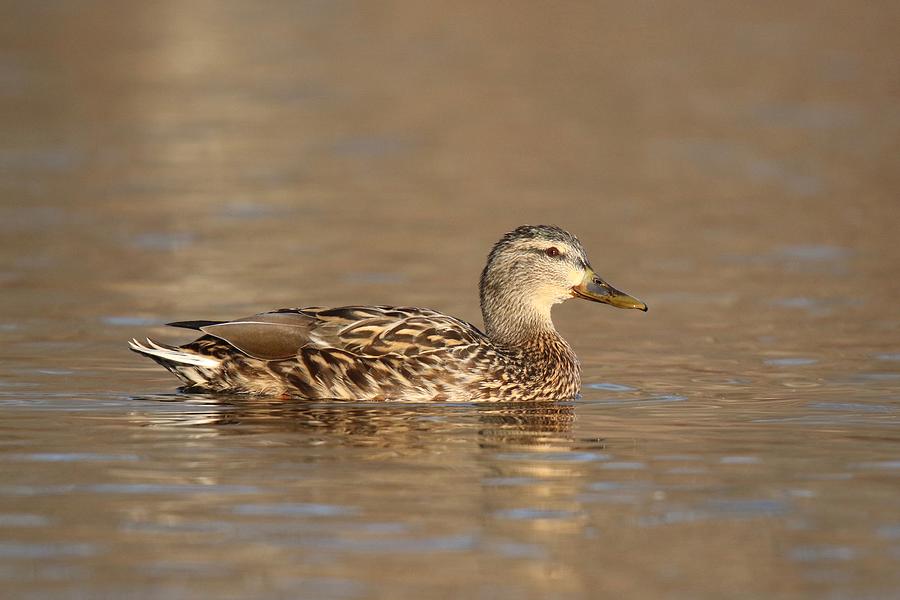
{"x":733,"y":164}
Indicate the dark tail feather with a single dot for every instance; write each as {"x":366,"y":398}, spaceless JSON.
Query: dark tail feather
{"x":194,"y":324}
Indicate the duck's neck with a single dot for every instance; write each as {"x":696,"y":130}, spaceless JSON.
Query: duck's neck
{"x":511,"y":321}
{"x":550,"y":365}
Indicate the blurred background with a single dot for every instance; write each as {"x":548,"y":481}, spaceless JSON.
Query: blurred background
{"x":189,"y":157}
{"x":733,"y":164}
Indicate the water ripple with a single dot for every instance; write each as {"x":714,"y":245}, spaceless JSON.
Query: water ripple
{"x":518,"y":514}
{"x":294,"y":510}
{"x":610,"y":387}
{"x":822,"y":553}
{"x":35,"y":551}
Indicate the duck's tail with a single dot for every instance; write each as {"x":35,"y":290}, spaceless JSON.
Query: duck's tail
{"x":192,"y":368}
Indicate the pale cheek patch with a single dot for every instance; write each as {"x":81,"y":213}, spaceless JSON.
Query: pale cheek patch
{"x":575,"y":276}
{"x":546,"y":297}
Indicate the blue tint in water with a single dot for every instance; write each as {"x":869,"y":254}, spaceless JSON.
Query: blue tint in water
{"x":162,"y":241}
{"x":50,"y":158}
{"x":173,"y":488}
{"x":129,"y":321}
{"x":610,"y":387}
{"x":668,"y":398}
{"x":624,"y":466}
{"x":796,"y":302}
{"x":879,"y":376}
{"x":672,"y":517}
{"x":34,"y":551}
{"x":248,"y":210}
{"x":23,"y":520}
{"x":192,"y":568}
{"x":687,"y":470}
{"x":508,"y":481}
{"x":813,"y":252}
{"x":575,"y":457}
{"x":76,"y":457}
{"x":605,"y":486}
{"x":294,"y":510}
{"x":449,"y":543}
{"x":884,"y":464}
{"x":517,"y":550}
{"x":790,"y":362}
{"x":815,"y":117}
{"x":822,"y":553}
{"x":385,"y":528}
{"x":749,"y":507}
{"x":177,"y":527}
{"x":739,"y":460}
{"x":528,"y":514}
{"x":853,"y":407}
{"x":656,"y":399}
{"x":889,"y":532}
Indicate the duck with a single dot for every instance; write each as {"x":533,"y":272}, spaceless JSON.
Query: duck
{"x":403,"y":353}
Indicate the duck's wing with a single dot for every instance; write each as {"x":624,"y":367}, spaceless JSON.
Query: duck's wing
{"x":360,"y":330}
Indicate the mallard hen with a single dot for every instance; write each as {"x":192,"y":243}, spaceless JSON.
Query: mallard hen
{"x":410,"y":354}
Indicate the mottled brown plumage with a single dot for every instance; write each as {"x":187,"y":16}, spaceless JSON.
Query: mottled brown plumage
{"x":410,"y":354}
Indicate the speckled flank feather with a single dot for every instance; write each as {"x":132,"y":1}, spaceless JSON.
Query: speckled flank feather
{"x":387,"y":353}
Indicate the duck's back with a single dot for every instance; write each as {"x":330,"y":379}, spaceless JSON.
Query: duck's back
{"x":351,"y":352}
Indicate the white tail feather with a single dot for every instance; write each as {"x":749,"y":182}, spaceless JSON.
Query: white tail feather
{"x":174,"y":355}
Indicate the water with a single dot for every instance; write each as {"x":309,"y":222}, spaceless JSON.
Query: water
{"x":733,"y":168}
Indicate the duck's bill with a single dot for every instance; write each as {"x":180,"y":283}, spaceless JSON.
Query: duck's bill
{"x":594,"y":288}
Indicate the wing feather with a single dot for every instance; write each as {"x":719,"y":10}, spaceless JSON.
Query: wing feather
{"x":362,"y":331}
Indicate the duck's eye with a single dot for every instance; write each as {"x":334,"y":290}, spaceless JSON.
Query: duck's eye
{"x":552,"y":251}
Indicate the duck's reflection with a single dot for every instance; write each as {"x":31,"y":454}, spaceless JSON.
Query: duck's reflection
{"x":512,"y":472}
{"x":343,"y":423}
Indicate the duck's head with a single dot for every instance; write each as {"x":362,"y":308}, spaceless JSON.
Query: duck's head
{"x":534,"y":267}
